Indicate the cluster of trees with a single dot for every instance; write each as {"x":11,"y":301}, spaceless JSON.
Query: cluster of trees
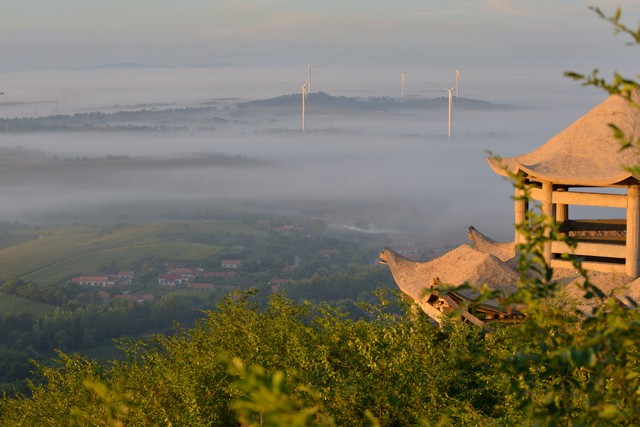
{"x":76,"y":327}
{"x":56,"y":295}
{"x":356,"y":283}
{"x":302,"y":364}
{"x":296,"y":361}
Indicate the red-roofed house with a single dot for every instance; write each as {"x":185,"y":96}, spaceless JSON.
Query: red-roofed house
{"x":230,"y":263}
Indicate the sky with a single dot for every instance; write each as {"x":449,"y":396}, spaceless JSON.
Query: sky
{"x":75,"y":33}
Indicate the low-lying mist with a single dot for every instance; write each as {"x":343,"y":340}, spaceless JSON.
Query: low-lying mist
{"x":397,"y":169}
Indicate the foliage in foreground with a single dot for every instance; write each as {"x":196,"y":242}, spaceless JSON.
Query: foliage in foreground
{"x":284,"y":365}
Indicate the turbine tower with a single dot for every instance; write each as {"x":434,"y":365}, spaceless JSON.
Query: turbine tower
{"x":303,"y":92}
{"x":402,"y":79}
{"x":451,"y":106}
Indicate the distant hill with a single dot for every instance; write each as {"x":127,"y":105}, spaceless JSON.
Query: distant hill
{"x":143,"y":118}
{"x":208,"y":116}
{"x":375,"y":103}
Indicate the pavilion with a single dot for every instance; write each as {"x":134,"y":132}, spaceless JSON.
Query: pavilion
{"x":584,"y":165}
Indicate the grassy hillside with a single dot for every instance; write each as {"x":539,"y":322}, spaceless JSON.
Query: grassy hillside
{"x":57,"y":254}
{"x":12,"y":304}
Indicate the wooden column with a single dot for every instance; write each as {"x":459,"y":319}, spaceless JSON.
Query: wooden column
{"x":562,"y":211}
{"x":547,"y":210}
{"x":633,"y":228}
{"x":520,"y":213}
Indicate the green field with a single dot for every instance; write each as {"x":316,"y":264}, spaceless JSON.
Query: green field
{"x":12,"y":304}
{"x":57,"y":254}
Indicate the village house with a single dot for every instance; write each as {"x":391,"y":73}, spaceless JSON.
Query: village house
{"x":170,"y":279}
{"x":230,"y":263}
{"x":101,"y":281}
{"x":179,"y":276}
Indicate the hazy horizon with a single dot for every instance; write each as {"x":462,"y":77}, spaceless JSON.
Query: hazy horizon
{"x":59,"y":60}
{"x":396,"y":168}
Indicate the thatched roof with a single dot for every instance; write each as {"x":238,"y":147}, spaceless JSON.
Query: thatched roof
{"x":585,"y":153}
{"x":461,"y":265}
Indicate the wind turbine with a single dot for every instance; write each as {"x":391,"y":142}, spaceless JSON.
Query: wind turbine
{"x":402,"y":78}
{"x":303,"y":92}
{"x":450,"y":90}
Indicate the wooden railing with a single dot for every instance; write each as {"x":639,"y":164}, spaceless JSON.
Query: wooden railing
{"x":601,"y":242}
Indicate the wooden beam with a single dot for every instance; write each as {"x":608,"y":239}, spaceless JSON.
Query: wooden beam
{"x":583,"y":198}
{"x":430,"y":310}
{"x":465,"y":314}
{"x":604,"y":267}
{"x":606,"y":250}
